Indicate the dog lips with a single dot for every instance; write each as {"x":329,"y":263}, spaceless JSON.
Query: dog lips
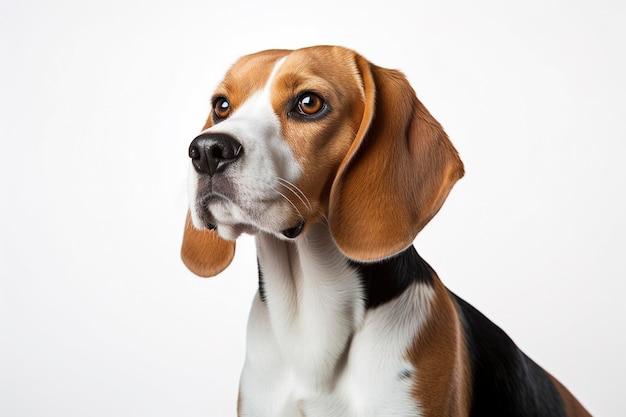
{"x":293,"y":232}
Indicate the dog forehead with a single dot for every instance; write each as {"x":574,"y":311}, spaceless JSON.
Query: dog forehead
{"x":251,"y":73}
{"x":321,"y":60}
{"x":308,"y":68}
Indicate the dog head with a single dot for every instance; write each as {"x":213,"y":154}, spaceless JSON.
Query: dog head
{"x":315,"y":135}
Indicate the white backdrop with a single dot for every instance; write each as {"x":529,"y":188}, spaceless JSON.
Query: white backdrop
{"x":99,"y":101}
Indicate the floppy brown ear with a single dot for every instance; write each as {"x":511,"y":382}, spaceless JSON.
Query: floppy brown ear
{"x":397,"y":173}
{"x":204,"y":252}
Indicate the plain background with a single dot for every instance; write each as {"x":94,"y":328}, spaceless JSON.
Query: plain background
{"x":99,"y":101}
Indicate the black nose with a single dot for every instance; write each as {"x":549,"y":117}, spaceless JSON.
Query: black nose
{"x":212,"y":152}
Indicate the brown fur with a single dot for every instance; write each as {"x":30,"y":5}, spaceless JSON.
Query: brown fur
{"x":378,"y":167}
{"x":440,"y":356}
{"x":401,"y":158}
{"x":379,"y":149}
{"x":205,"y":253}
{"x":573,"y":407}
{"x":319,"y":147}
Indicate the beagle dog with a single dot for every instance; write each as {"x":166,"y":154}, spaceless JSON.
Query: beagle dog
{"x":334,"y":165}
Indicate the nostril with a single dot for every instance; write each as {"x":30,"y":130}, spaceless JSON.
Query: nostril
{"x":218,"y":153}
{"x":225,"y":149}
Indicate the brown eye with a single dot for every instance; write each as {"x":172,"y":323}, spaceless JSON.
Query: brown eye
{"x":310,"y":104}
{"x":221,"y":108}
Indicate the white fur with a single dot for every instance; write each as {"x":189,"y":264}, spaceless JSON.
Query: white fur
{"x":313,"y":349}
{"x":258,"y":204}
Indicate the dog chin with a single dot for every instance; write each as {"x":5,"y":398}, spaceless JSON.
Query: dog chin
{"x":228,"y":229}
{"x":229,"y":220}
{"x":232,"y":232}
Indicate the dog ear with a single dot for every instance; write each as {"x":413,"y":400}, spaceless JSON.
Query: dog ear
{"x":204,"y":252}
{"x":396,"y":174}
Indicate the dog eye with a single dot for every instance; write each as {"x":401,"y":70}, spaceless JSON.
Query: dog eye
{"x":310,"y":104}
{"x":221,"y":108}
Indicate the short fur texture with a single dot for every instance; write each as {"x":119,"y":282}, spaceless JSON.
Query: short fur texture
{"x":335,"y":166}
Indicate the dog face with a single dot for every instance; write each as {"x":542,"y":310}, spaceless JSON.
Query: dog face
{"x":315,"y":135}
{"x":291,"y":119}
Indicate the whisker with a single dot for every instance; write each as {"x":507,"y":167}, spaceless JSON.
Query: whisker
{"x":290,"y":202}
{"x":297,"y":192}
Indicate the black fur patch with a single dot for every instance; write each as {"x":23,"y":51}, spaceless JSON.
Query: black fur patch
{"x":261,"y":283}
{"x":506,"y":382}
{"x":385,"y":280}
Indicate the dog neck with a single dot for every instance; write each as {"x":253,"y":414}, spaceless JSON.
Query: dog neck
{"x":315,"y":299}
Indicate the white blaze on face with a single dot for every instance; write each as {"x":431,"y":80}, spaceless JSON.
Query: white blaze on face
{"x":257,"y":202}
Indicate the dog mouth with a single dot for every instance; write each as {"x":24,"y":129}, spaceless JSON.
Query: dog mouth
{"x":294,"y":232}
{"x":206,"y":217}
{"x":230,"y":219}
{"x":232,"y":204}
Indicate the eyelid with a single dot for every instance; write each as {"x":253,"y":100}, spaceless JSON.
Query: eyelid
{"x":217,"y":98}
